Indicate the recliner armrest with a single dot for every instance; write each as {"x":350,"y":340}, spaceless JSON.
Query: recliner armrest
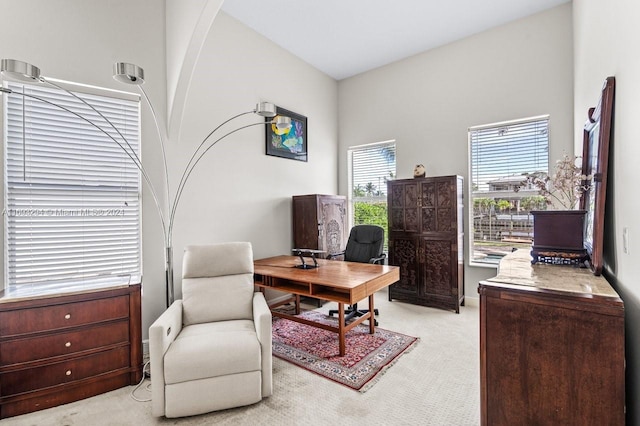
{"x":161,"y":334}
{"x":378,"y":260}
{"x":261,"y":317}
{"x":262,"y":322}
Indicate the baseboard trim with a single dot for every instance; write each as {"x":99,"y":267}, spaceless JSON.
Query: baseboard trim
{"x":472,"y":301}
{"x":279,"y":299}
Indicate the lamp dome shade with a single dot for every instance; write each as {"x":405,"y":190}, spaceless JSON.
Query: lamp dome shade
{"x":282,"y":123}
{"x":266,"y":109}
{"x":128,"y":73}
{"x":19,"y":70}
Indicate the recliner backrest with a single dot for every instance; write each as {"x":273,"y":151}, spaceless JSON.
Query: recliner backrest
{"x":365,"y":242}
{"x":217,"y":282}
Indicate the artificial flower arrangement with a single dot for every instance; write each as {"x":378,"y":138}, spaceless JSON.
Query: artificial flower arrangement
{"x":565,"y":187}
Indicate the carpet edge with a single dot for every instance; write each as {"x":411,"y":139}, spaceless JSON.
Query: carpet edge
{"x":369,"y":384}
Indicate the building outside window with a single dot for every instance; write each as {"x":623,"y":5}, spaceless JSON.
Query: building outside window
{"x":71,"y":194}
{"x":371,"y":166}
{"x":500,"y":156}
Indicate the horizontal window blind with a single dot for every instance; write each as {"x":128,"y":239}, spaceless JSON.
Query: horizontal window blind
{"x":508,"y":150}
{"x":72,"y":195}
{"x":500,"y":155}
{"x":371,"y":167}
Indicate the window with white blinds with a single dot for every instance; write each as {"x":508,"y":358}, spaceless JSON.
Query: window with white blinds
{"x":371,"y":166}
{"x":500,"y":155}
{"x":72,"y":195}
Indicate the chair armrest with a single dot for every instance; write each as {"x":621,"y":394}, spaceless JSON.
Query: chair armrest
{"x":262,"y":317}
{"x":378,"y":260}
{"x":332,"y":256}
{"x":262,"y":321}
{"x":161,"y":334}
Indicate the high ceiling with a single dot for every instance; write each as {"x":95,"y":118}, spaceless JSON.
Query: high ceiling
{"x":346,"y":37}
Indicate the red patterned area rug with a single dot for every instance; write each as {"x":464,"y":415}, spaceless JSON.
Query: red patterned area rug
{"x":367,"y":355}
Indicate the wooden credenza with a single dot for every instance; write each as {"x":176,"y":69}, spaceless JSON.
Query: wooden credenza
{"x":426,"y":239}
{"x":320,"y":222}
{"x":59,"y":349}
{"x":551,"y":346}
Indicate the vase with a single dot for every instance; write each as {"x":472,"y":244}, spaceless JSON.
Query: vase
{"x":558,"y":237}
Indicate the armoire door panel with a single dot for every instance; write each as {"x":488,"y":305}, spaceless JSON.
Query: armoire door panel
{"x":437,"y":268}
{"x":320,"y":222}
{"x":446,"y":202}
{"x":332,"y":232}
{"x":403,"y":253}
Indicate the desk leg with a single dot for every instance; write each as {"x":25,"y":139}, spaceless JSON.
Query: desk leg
{"x":341,"y":340}
{"x":297,"y":304}
{"x":372,"y":318}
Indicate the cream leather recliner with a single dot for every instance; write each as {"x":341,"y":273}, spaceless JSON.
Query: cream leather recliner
{"x":212,"y":349}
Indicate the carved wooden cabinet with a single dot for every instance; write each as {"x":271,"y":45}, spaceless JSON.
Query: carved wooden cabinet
{"x":59,"y":349}
{"x":551,"y":346}
{"x":426,"y":240}
{"x":320,"y":222}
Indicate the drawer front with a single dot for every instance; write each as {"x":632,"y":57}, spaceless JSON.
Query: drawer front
{"x":62,"y":316}
{"x":56,"y":397}
{"x":30,"y":379}
{"x":35,"y":348}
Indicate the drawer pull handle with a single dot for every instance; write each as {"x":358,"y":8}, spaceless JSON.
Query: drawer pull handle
{"x":68,"y":344}
{"x":68,"y":316}
{"x":68,"y":372}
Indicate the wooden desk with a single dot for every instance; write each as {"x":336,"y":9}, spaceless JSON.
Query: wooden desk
{"x":336,"y":281}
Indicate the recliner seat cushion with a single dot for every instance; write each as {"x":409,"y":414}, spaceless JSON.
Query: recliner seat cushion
{"x":214,"y":349}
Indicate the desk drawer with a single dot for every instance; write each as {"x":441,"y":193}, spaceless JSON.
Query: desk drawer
{"x":26,"y":380}
{"x":55,"y":317}
{"x":35,"y":348}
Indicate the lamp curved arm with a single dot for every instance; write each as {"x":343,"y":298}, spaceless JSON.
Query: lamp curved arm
{"x":132,"y":157}
{"x":188,"y":170}
{"x":162,"y":137}
{"x":194,"y":155}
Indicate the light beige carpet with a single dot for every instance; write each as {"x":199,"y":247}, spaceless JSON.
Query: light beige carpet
{"x":437,"y":383}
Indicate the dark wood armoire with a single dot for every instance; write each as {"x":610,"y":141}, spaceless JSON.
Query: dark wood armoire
{"x":320,"y":222}
{"x":426,"y":240}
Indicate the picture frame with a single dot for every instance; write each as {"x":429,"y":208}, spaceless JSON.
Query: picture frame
{"x":290,"y":144}
{"x":595,"y":158}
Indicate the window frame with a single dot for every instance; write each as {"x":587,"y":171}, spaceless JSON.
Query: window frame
{"x":471,"y":235}
{"x":351,"y":200}
{"x":114,"y":96}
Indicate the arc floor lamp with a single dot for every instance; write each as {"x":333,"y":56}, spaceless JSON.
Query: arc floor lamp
{"x":133,"y":74}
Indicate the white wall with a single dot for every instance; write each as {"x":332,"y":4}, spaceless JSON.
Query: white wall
{"x":427,"y":102}
{"x":237,"y":193}
{"x":606,"y":37}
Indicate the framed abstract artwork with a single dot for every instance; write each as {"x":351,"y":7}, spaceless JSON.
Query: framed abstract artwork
{"x":290,"y":143}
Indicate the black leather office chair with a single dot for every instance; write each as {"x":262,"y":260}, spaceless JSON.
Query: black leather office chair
{"x":365,"y":245}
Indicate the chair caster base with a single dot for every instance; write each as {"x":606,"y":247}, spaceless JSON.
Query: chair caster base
{"x":353,"y":311}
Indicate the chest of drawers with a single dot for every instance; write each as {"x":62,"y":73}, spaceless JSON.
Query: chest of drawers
{"x":551,"y":346}
{"x":59,"y":349}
